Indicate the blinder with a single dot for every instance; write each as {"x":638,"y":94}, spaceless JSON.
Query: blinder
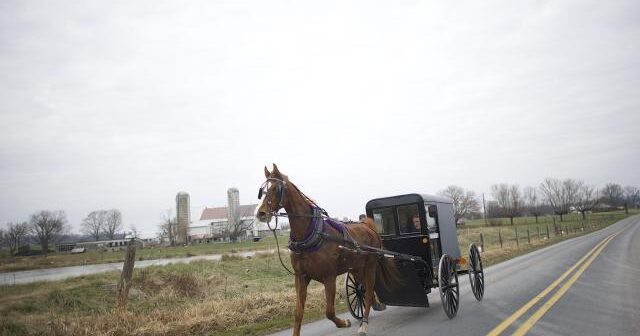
{"x":280,"y":190}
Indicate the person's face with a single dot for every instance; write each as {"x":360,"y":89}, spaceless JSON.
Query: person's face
{"x":416,"y":222}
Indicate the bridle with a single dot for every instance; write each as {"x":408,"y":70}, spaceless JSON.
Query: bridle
{"x":280,"y":193}
{"x":281,"y":190}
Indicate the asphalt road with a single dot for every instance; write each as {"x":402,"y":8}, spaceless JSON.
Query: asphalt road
{"x":603,"y":299}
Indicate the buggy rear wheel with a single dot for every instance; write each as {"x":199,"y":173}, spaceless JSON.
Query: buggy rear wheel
{"x":476,"y":272}
{"x":449,"y":288}
{"x":355,"y":296}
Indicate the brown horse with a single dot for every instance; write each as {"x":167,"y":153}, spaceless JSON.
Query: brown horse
{"x":316,"y":255}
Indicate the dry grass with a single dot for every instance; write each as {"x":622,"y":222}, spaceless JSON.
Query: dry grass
{"x":207,"y":317}
{"x":202,"y":298}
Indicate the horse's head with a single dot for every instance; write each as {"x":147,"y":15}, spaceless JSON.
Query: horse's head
{"x":272,"y":194}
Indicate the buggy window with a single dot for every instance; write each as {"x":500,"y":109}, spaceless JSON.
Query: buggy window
{"x":409,"y":218}
{"x":432,"y":215}
{"x":384,"y":220}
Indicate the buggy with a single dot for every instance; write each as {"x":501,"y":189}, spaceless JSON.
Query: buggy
{"x":418,"y":232}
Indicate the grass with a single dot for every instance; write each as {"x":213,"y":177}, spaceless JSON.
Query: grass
{"x":572,"y":226}
{"x":230,"y":297}
{"x":8,"y":264}
{"x":236,"y":296}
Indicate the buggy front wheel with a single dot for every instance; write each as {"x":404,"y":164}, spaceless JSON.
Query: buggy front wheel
{"x":355,"y":296}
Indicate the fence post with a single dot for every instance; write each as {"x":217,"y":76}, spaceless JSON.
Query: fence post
{"x":538,"y":232}
{"x":528,"y":236}
{"x":500,"y":237}
{"x":517,"y":240}
{"x":481,"y":242}
{"x":548,"y":232}
{"x":127,"y":273}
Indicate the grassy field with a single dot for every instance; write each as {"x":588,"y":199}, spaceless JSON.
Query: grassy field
{"x":230,"y":297}
{"x":8,"y":264}
{"x":236,"y":296}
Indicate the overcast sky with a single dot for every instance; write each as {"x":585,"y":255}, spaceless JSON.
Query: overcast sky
{"x":121,"y":104}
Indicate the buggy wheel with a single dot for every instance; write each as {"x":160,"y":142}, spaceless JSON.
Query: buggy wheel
{"x":355,"y":296}
{"x":476,"y":272}
{"x":449,"y":288}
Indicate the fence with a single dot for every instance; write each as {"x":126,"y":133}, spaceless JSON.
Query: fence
{"x":510,"y":236}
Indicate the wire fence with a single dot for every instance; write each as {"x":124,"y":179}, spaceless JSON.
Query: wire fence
{"x":510,"y":236}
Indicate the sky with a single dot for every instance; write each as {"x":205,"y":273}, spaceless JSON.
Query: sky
{"x":122,"y":104}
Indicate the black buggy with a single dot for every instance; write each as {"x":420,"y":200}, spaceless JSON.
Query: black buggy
{"x":419,"y":232}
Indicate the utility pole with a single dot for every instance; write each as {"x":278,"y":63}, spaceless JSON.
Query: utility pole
{"x":484,"y":210}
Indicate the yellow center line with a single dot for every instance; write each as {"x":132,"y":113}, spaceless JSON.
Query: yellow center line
{"x":547,"y":305}
{"x":506,"y":323}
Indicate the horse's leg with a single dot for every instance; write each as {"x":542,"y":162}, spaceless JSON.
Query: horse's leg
{"x":301,"y":282}
{"x":330,"y":297}
{"x":369,"y":280}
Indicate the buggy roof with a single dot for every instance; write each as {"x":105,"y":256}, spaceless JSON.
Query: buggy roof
{"x":406,"y":199}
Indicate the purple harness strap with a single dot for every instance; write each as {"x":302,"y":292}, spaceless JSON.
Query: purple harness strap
{"x":338,"y":226}
{"x":312,"y":237}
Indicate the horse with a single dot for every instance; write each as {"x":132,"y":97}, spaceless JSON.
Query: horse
{"x":316,"y":254}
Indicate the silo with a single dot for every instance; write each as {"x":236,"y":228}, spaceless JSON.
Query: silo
{"x":183,"y":217}
{"x":233,"y":203}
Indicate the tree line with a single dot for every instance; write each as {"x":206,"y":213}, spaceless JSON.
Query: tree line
{"x":552,"y":196}
{"x":46,"y":227}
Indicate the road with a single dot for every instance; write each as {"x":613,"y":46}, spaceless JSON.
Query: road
{"x":60,"y":273}
{"x":600,"y":296}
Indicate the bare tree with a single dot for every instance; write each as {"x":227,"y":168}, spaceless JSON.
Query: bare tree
{"x":508,"y":199}
{"x":168,"y":228}
{"x":613,"y":194}
{"x":15,"y":234}
{"x":632,"y":196}
{"x":464,"y":203}
{"x":532,"y":202}
{"x":241,"y":220}
{"x":94,"y":223}
{"x":3,"y":238}
{"x":47,"y":226}
{"x":571,"y":190}
{"x":112,"y":223}
{"x":586,"y":199}
{"x":555,"y":195}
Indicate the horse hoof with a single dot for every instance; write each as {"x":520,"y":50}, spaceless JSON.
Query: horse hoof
{"x":363,"y":329}
{"x":347,"y":323}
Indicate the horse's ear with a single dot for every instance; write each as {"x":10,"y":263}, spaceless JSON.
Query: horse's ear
{"x":266,"y":172}
{"x":276,"y":171}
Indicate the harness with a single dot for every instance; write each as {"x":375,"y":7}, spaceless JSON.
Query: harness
{"x":315,"y":233}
